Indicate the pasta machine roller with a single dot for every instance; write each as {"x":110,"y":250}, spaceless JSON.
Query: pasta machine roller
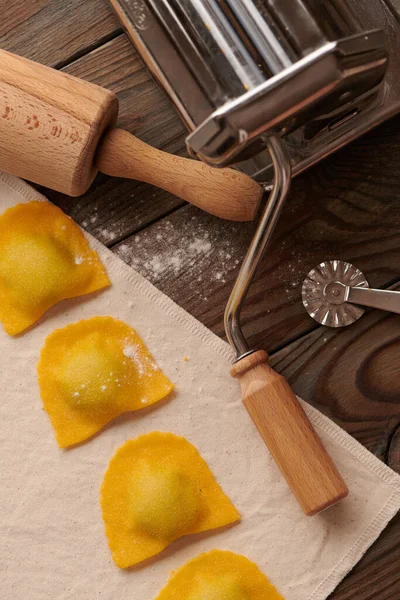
{"x":272,"y":86}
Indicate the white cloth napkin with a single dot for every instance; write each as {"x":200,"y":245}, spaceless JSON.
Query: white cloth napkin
{"x":51,"y":533}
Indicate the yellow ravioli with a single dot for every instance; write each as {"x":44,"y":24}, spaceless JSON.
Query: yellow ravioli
{"x":158,"y":488}
{"x":219,"y":575}
{"x":92,"y":371}
{"x":44,"y":258}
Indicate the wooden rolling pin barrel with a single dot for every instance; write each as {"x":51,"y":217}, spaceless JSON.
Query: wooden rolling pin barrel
{"x":58,"y":131}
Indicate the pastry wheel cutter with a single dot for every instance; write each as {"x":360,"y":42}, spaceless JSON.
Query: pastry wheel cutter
{"x":336,"y":293}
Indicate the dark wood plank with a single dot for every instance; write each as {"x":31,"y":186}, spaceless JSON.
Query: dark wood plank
{"x":115,"y":208}
{"x":53,"y":32}
{"x":347,"y":207}
{"x":353,"y":376}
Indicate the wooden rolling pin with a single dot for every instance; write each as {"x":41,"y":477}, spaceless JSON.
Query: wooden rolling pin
{"x":58,"y":131}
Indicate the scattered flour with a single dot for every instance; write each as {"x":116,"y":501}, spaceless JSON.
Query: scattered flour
{"x":200,"y":246}
{"x":79,"y":260}
{"x":176,"y":262}
{"x":201,"y":254}
{"x":132,"y":353}
{"x":109,"y":236}
{"x":124,"y":249}
{"x":155,"y":265}
{"x":170,"y":258}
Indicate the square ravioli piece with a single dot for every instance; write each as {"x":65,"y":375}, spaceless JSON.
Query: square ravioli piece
{"x":44,"y":258}
{"x":92,"y":371}
{"x":157,"y":489}
{"x":219,"y":575}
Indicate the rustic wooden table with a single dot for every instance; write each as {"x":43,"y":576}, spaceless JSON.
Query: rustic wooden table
{"x":348,"y":208}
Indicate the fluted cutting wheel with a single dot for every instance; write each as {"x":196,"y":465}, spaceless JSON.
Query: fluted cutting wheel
{"x":316,"y":299}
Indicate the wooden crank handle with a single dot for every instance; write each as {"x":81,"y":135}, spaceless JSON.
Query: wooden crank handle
{"x":289,"y":435}
{"x":226,"y":193}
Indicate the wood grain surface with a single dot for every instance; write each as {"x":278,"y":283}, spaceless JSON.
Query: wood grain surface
{"x":347,"y":207}
{"x":353,"y":376}
{"x":54,"y":32}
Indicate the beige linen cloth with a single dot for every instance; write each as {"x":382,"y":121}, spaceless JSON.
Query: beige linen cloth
{"x":52,"y":542}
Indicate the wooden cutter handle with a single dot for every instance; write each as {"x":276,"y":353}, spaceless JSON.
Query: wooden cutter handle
{"x":225,"y":193}
{"x":289,"y":435}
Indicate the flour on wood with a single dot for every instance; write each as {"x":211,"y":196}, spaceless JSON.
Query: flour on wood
{"x":108,"y":236}
{"x":190,"y":255}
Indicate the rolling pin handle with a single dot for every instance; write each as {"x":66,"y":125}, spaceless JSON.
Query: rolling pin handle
{"x":225,"y":193}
